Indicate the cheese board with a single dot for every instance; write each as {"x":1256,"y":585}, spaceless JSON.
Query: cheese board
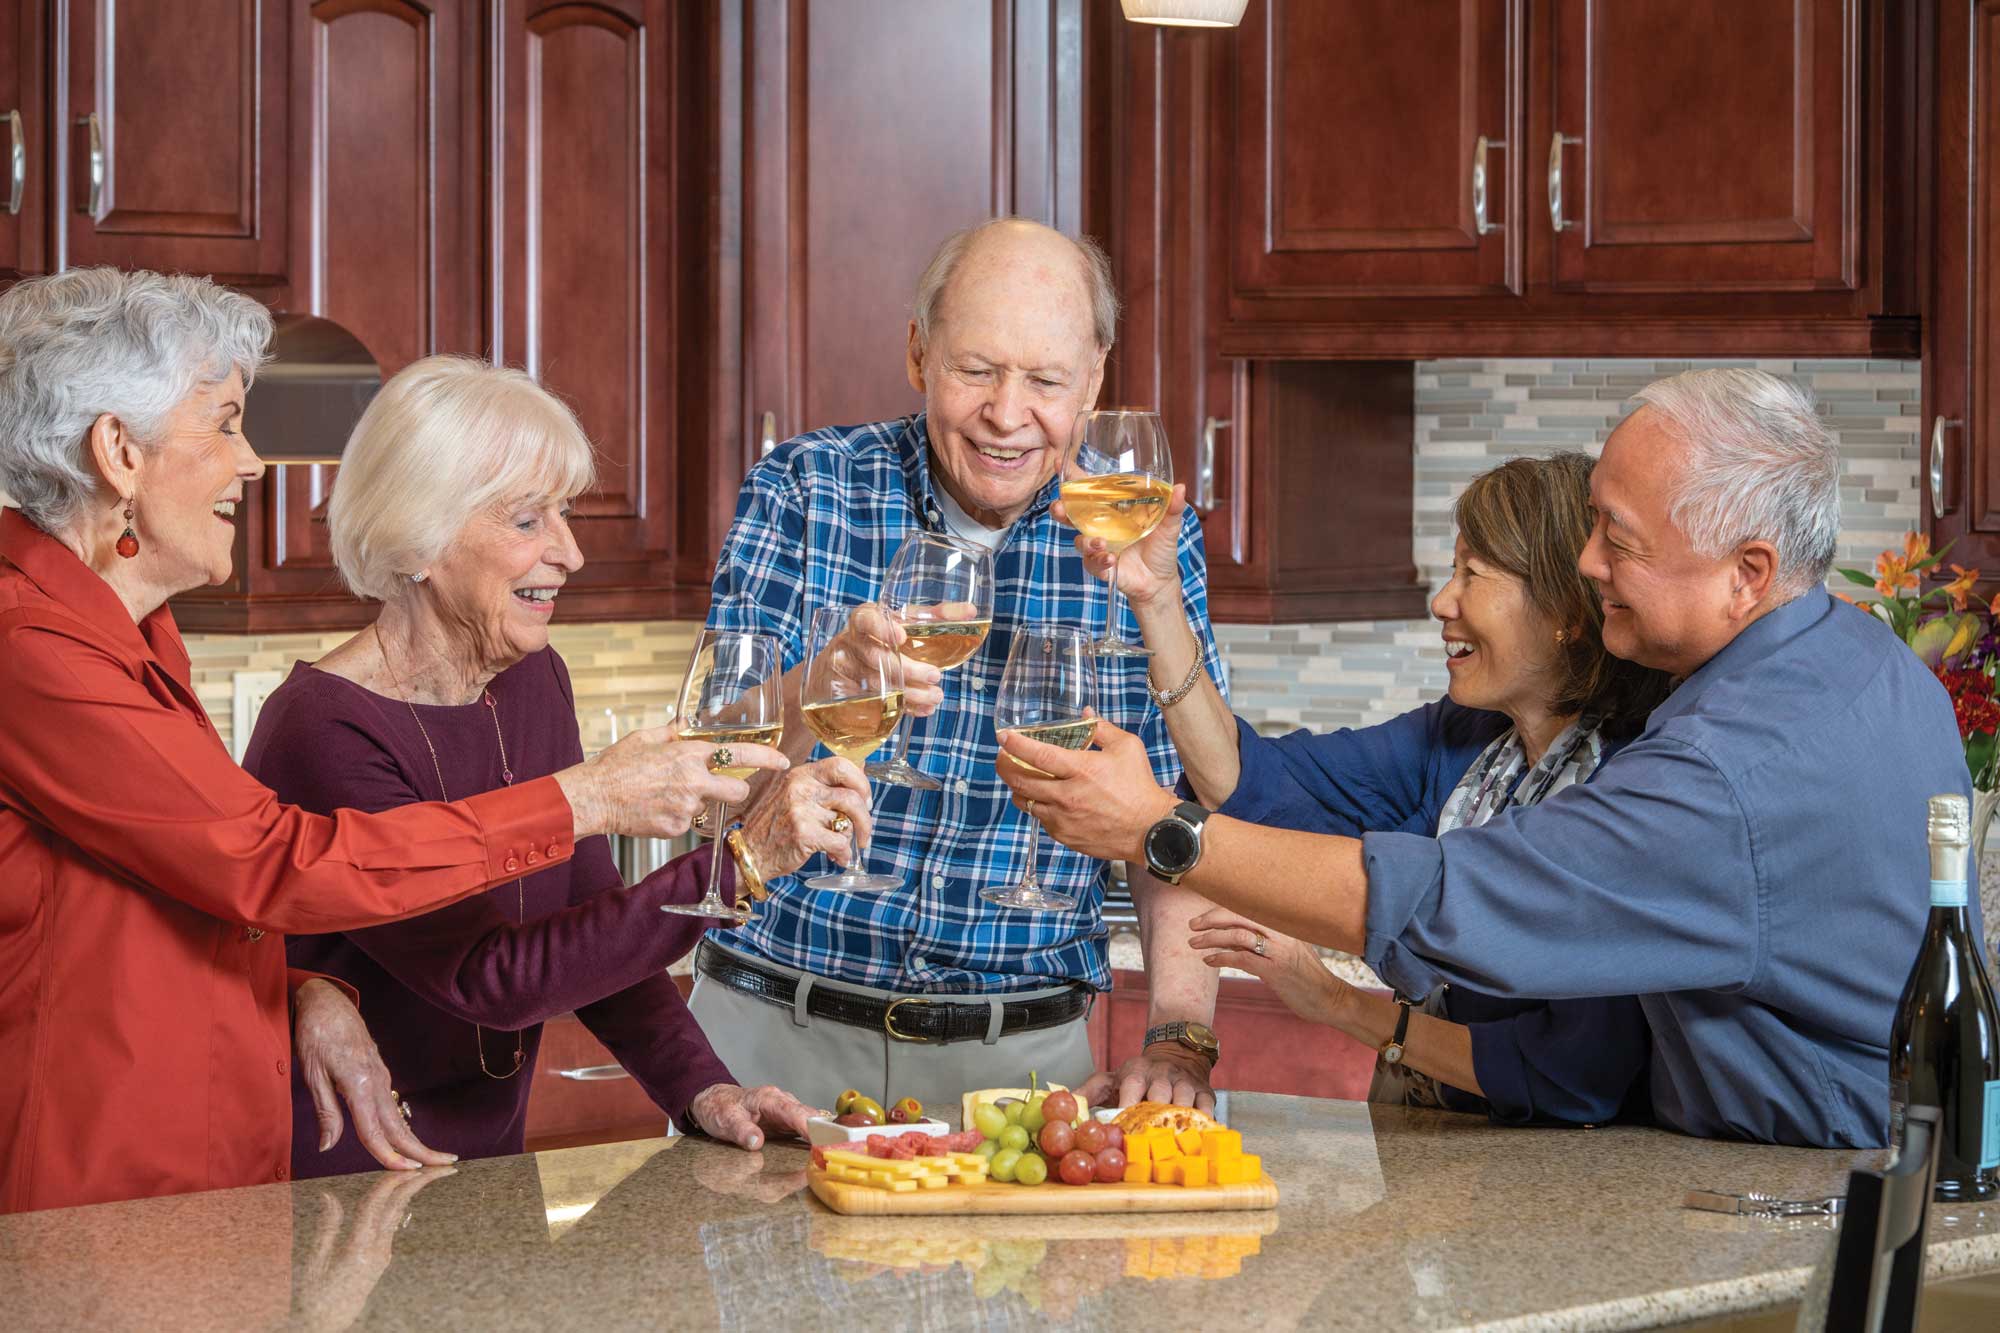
{"x":993,"y":1199}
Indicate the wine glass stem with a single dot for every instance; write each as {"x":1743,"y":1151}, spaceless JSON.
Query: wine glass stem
{"x":904,"y":728}
{"x":854,"y":865}
{"x":718,"y":850}
{"x":1111,"y":604}
{"x":1028,"y":880}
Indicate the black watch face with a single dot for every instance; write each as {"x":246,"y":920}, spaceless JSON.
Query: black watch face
{"x":1171,"y":846}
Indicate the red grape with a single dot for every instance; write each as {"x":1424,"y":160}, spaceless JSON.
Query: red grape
{"x":1111,"y":1165}
{"x":1114,"y":1137}
{"x":1060,"y":1106}
{"x":1057,"y":1138}
{"x":1091,"y":1138}
{"x":1078,"y":1168}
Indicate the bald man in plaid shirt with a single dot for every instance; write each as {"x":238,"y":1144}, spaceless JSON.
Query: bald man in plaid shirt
{"x":927,"y":990}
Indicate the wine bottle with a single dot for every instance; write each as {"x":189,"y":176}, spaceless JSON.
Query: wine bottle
{"x":1944,"y":1050}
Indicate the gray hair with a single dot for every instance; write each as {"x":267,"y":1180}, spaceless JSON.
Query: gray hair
{"x":1761,"y":466}
{"x":944,"y":263}
{"x":77,"y":345}
{"x":446,"y":439}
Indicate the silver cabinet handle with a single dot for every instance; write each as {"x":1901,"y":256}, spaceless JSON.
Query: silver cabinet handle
{"x":1938,"y":428}
{"x":1203,"y":498}
{"x":1480,"y":148}
{"x":1556,"y":180}
{"x":96,"y":174}
{"x":767,"y":434}
{"x":593,"y":1073}
{"x":17,"y":162}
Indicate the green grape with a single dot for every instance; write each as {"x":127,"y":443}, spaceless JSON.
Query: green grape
{"x":1014,"y":1112}
{"x":1015,"y":1137}
{"x":1032,"y":1119}
{"x":986,"y":1149}
{"x":1032,"y":1169}
{"x":989,"y":1120}
{"x":1004,"y":1163}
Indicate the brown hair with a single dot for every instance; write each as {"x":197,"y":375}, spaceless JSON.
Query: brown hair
{"x":1531,"y":518}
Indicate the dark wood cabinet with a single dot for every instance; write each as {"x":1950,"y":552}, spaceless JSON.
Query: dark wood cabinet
{"x":24,"y":139}
{"x":1960,"y":477}
{"x":173,"y":151}
{"x":1709,"y":178}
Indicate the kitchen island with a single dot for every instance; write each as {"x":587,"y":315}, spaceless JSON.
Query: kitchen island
{"x":1389,"y":1219}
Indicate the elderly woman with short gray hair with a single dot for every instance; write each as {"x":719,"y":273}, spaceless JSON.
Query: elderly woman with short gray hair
{"x":145,"y":1032}
{"x":452,"y":510}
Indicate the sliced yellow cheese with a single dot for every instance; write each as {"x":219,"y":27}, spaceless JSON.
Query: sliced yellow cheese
{"x":971,"y":1101}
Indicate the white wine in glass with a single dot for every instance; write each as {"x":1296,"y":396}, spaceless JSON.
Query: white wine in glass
{"x":1116,"y":484}
{"x":1046,"y":693}
{"x":732,"y":695}
{"x":852,"y":699}
{"x":940,"y":591}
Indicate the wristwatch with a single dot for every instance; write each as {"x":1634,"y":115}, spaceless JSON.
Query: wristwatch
{"x":1173,"y":846}
{"x":1196,"y":1037}
{"x":1392,"y":1054}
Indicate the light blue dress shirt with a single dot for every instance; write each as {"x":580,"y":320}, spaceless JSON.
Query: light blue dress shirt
{"x":1754,"y":866}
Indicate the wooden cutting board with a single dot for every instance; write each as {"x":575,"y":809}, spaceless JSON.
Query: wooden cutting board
{"x":998,"y":1200}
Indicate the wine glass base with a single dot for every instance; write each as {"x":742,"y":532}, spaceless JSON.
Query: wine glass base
{"x":855,"y":881}
{"x":1031,"y":896}
{"x":900,"y":774}
{"x":713,"y":908}
{"x":1114,"y":648}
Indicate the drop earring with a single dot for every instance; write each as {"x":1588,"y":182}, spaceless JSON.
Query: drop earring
{"x":128,"y":543}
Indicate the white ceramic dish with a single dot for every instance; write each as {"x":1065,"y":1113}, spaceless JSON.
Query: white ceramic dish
{"x":822,"y":1131}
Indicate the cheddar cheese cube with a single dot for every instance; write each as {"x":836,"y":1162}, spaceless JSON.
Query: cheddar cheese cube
{"x":1169,"y":1171}
{"x":1138,"y":1173}
{"x":1139,"y":1149}
{"x":1253,"y":1167}
{"x":1190,"y":1142}
{"x":1221,"y":1144}
{"x":1194,"y":1171}
{"x":1165,"y":1146}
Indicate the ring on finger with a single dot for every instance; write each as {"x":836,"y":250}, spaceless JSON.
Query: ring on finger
{"x":842,"y":825}
{"x":1260,"y":946}
{"x":404,"y":1107}
{"x":1031,"y":807}
{"x":722,"y":758}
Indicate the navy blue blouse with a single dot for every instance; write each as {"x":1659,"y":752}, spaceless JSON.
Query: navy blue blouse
{"x":1570,"y":1061}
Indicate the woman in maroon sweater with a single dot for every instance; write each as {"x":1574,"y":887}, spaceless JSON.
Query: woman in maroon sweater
{"x":452,"y":509}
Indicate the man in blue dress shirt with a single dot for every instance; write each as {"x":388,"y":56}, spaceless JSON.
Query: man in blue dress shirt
{"x":1752,"y":866}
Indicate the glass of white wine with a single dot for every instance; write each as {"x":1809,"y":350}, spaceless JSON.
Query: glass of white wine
{"x":941,"y":592}
{"x":1116,"y":484}
{"x":1046,"y":692}
{"x":852,"y":699}
{"x":732,"y":695}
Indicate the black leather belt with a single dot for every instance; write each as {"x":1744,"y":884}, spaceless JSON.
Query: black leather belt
{"x":907,"y":1018}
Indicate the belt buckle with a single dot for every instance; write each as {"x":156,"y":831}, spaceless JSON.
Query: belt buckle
{"x":889,"y":1018}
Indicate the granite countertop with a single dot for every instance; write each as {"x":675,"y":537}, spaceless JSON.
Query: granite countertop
{"x":1390,"y":1218}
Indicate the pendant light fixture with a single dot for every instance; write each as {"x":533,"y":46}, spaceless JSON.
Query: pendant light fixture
{"x":1187,"y":13}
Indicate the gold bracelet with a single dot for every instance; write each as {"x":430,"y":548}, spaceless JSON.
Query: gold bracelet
{"x":746,"y":868}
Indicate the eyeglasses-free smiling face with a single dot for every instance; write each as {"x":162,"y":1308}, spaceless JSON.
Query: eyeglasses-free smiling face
{"x":1013,"y":358}
{"x":1500,"y":651}
{"x":495,"y":588}
{"x":189,"y":487}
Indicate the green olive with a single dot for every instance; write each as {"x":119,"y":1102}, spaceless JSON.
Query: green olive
{"x":845,"y":1101}
{"x":868,"y":1108}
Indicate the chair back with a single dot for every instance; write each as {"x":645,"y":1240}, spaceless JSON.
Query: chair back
{"x":1877,"y":1279}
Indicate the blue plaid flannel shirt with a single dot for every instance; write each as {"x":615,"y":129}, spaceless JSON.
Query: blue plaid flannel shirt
{"x":816,"y":525}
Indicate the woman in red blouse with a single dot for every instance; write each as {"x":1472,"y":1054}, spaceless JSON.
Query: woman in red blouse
{"x":145,"y":879}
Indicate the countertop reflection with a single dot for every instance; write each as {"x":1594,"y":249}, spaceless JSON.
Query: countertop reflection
{"x":1389,"y":1218}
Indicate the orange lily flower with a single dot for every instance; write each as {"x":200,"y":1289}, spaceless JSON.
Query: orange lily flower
{"x":1916,"y":548}
{"x":1961,"y":587}
{"x":1892,"y":572}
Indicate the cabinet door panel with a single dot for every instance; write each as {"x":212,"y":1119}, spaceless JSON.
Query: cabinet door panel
{"x":180,"y":112}
{"x":591,"y":252}
{"x":1358,"y":125}
{"x":1719,"y":145}
{"x":23,"y":142}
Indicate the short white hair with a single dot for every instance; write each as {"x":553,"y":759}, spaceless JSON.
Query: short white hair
{"x":1761,"y":465}
{"x":78,"y":345}
{"x":945,"y":260}
{"x":446,"y":439}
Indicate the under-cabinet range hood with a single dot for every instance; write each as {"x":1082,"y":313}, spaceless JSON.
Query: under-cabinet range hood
{"x":308,"y":397}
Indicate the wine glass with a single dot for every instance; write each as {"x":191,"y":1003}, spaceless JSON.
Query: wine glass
{"x":732,"y":695}
{"x":1118,"y":478}
{"x":1046,"y":692}
{"x":852,"y":699}
{"x":941,"y":592}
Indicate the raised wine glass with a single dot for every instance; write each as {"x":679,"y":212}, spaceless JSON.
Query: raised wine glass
{"x":1116,"y":483}
{"x":852,"y":699}
{"x":732,"y":695}
{"x":1046,"y":692}
{"x":941,"y":592}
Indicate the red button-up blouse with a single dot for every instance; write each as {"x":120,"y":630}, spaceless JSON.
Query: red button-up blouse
{"x":144,"y":880}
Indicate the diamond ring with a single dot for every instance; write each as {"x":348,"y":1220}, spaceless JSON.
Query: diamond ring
{"x":722,"y":758}
{"x":1261,"y":947}
{"x":842,"y":825}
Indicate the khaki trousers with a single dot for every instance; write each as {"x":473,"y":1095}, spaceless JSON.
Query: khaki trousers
{"x":815,"y":1059}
